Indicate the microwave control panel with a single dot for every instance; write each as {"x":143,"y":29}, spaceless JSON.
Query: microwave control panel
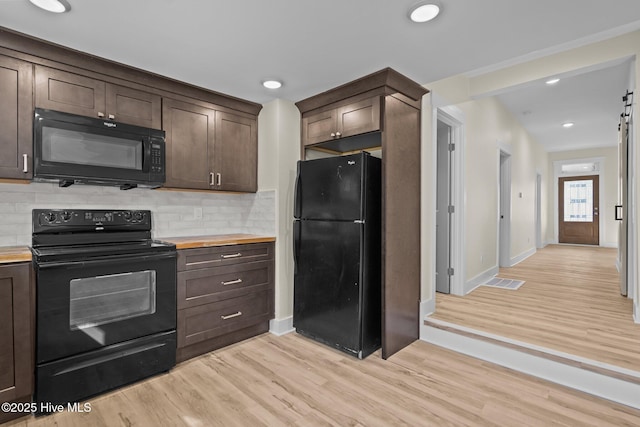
{"x":157,"y":158}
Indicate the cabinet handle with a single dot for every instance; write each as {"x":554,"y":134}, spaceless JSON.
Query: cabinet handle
{"x":100,"y":114}
{"x":25,"y":163}
{"x":225,"y":256}
{"x":112,"y":117}
{"x":338,"y":134}
{"x":231,"y":282}
{"x":211,"y":181}
{"x":333,"y":134}
{"x":218,"y":179}
{"x":231,"y":316}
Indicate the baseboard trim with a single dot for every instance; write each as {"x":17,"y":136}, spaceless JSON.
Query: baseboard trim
{"x":281,"y":327}
{"x":524,"y":255}
{"x":481,"y":278}
{"x":636,"y":313}
{"x":597,"y":384}
{"x":609,"y":245}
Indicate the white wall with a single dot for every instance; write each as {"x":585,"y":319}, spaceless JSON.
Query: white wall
{"x":279,"y":151}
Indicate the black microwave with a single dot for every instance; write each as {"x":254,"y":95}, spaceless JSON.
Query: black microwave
{"x":72,"y":149}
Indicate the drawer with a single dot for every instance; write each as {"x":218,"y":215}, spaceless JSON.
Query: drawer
{"x":207,"y":321}
{"x":193,"y":259}
{"x":207,"y":285}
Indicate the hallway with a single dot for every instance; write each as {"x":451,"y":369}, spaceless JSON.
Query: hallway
{"x":570,"y":302}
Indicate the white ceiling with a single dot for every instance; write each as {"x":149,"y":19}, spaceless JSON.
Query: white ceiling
{"x":231,"y":46}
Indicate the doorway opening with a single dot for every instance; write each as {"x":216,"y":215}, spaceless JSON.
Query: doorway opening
{"x":444,"y":208}
{"x":538,"y":213}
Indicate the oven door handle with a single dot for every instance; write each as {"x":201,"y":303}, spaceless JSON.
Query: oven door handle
{"x":110,"y":259}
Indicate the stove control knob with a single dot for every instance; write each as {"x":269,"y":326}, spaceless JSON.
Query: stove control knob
{"x":50,"y":216}
{"x":127,"y":215}
{"x":137,"y":215}
{"x":66,"y":216}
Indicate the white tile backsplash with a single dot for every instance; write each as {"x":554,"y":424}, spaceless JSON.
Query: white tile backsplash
{"x":174,"y":213}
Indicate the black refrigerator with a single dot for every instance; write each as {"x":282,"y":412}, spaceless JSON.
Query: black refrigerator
{"x":337,"y":252}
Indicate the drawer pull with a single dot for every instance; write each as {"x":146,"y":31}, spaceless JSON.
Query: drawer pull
{"x":231,"y":282}
{"x":231,"y":316}
{"x":224,"y":256}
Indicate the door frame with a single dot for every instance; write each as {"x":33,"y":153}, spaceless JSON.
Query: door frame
{"x":557,"y":174}
{"x":454,"y":118}
{"x":503,"y":248}
{"x":538,"y":210}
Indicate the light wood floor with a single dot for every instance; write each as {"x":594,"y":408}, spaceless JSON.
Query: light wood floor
{"x":570,"y":302}
{"x":290,"y":380}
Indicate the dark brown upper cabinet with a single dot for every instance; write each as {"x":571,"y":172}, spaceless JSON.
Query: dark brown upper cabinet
{"x":209,"y":149}
{"x":16,"y":335}
{"x":236,"y":153}
{"x":77,"y":94}
{"x":341,"y":122}
{"x":16,"y":118}
{"x":189,"y":140}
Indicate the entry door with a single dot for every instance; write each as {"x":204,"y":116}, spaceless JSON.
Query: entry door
{"x":579,"y":220}
{"x":621,"y":209}
{"x":443,"y":213}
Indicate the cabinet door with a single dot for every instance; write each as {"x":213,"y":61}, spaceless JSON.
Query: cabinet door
{"x":16,"y":348}
{"x":189,"y":141}
{"x":236,"y":153}
{"x":69,"y":93}
{"x":16,"y":118}
{"x":359,"y":117}
{"x":319,"y":127}
{"x":133,"y":106}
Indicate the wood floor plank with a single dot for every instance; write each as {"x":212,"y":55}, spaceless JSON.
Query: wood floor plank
{"x":570,"y":302}
{"x":293,"y":381}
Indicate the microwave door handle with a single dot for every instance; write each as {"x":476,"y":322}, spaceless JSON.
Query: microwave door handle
{"x":146,"y":147}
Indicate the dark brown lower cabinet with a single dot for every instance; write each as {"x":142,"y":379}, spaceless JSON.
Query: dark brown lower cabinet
{"x":16,"y":336}
{"x":225,"y":295}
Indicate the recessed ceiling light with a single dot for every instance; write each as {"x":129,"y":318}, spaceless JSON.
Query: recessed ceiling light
{"x":552,"y":81}
{"x":272,"y":84}
{"x":423,"y":12}
{"x":567,"y":125}
{"x":55,"y":6}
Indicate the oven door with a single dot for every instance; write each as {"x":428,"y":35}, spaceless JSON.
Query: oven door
{"x":88,"y":304}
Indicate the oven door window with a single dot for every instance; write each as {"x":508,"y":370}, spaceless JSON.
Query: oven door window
{"x":100,"y":300}
{"x":82,"y":148}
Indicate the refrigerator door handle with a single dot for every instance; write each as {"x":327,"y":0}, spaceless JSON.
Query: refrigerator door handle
{"x":358,"y":221}
{"x":296,"y":245}
{"x":297,"y":198}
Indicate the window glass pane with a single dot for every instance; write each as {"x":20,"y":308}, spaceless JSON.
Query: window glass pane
{"x":105,"y":299}
{"x":578,"y":201}
{"x":68,"y":146}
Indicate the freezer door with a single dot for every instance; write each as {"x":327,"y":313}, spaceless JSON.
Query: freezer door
{"x":331,"y":188}
{"x":327,"y":283}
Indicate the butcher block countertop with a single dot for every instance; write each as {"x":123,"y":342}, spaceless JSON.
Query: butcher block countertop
{"x":10,"y":254}
{"x":191,"y":242}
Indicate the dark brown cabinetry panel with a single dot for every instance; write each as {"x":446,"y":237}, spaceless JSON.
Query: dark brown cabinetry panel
{"x":236,"y":153}
{"x":134,"y":106}
{"x":73,"y":93}
{"x":349,"y":120}
{"x":189,"y":132}
{"x":16,"y":118}
{"x":16,"y":334}
{"x":225,"y":295}
{"x":69,"y":93}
